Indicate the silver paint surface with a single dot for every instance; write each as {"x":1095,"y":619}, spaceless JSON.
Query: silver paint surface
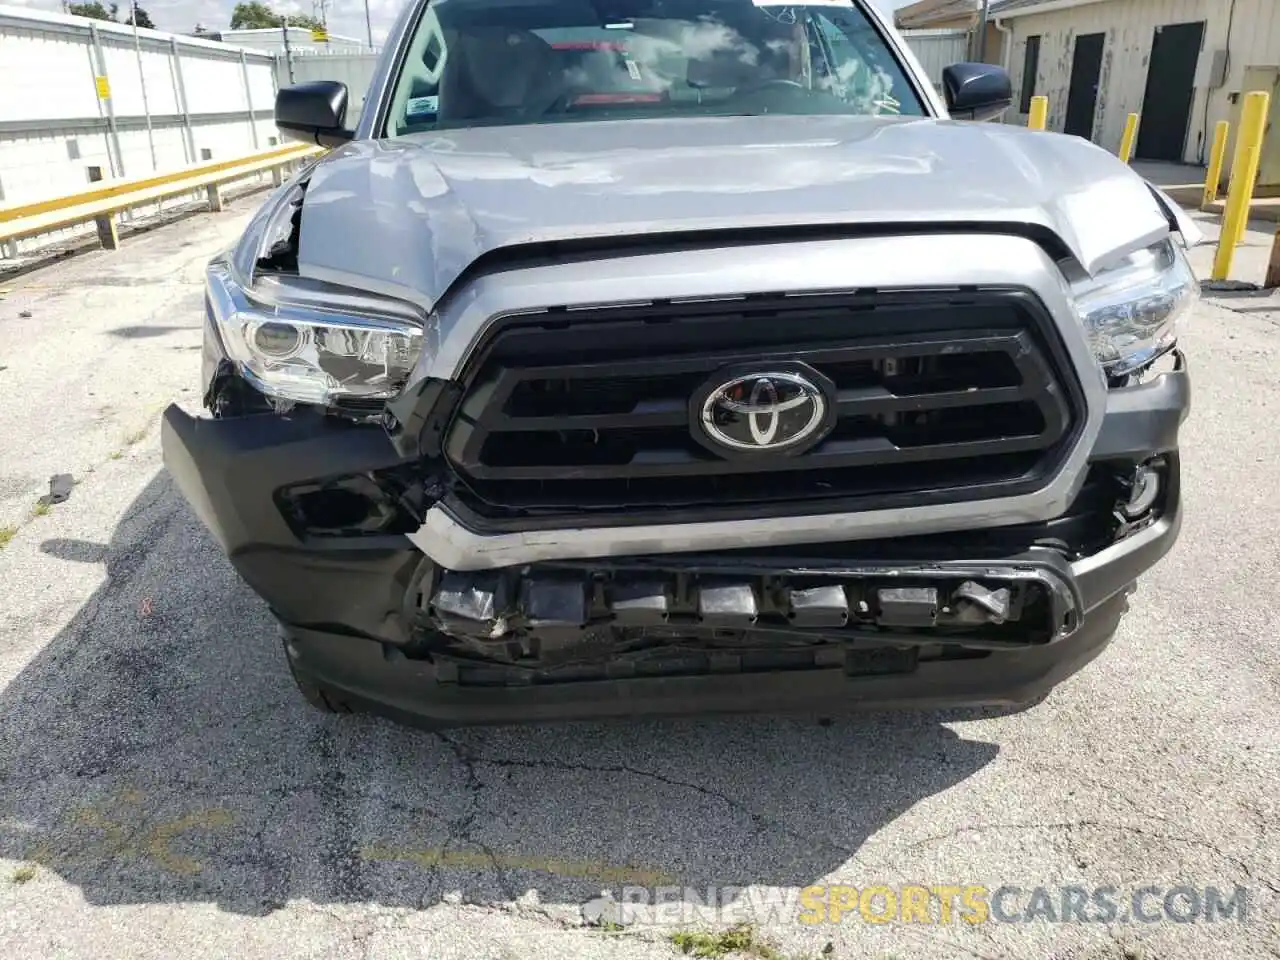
{"x":405,"y":217}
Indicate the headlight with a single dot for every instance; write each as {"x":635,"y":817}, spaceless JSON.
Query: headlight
{"x":312,"y":343}
{"x":1131,"y":311}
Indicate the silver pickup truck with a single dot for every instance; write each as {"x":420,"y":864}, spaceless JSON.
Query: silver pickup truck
{"x":659,"y":356}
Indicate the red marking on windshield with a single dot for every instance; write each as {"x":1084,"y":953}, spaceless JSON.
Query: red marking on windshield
{"x":618,"y":98}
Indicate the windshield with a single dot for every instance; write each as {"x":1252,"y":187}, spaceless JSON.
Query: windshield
{"x":486,"y":62}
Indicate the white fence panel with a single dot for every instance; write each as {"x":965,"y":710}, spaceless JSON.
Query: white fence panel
{"x":89,"y":100}
{"x":937,"y":50}
{"x":353,"y":69}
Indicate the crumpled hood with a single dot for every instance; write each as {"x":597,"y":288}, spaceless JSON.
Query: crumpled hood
{"x":408,"y":216}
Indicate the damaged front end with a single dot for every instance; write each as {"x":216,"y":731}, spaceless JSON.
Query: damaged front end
{"x":276,"y":339}
{"x":665,"y":617}
{"x":575,"y":562}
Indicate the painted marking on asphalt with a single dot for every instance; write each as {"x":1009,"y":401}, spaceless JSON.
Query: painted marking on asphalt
{"x":92,"y":833}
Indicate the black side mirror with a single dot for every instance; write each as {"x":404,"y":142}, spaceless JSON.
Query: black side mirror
{"x":314,"y":112}
{"x":976,"y":91}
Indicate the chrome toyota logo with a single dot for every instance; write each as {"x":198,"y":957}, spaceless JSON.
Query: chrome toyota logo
{"x":771,"y":410}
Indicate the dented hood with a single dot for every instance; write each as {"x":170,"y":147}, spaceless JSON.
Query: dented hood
{"x":408,"y":216}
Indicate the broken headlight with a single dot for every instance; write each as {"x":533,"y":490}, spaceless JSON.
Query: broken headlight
{"x":1131,"y":311}
{"x":309,"y":342}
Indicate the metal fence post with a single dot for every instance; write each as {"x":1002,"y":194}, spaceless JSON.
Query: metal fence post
{"x":181,"y":89}
{"x":113,"y":133}
{"x":142,"y":82}
{"x":248,"y":99}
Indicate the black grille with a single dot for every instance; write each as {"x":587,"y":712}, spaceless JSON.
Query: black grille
{"x":940,"y":395}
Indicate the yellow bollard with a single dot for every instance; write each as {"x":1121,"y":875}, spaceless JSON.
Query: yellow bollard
{"x":1244,"y":171}
{"x":1039,"y":115}
{"x":1216,"y":158}
{"x":1130,"y":134}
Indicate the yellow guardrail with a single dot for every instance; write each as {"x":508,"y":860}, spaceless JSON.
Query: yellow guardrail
{"x":101,"y":202}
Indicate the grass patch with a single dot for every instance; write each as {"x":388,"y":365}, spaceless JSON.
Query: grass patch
{"x":7,"y":534}
{"x":117,"y":455}
{"x":136,"y":437}
{"x":42,"y":508}
{"x":713,"y":946}
{"x":24,"y":873}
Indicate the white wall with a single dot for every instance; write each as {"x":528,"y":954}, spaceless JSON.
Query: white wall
{"x":54,"y":127}
{"x":1129,"y":26}
{"x":353,"y":69}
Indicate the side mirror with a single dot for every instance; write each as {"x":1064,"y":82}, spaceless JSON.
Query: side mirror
{"x":976,"y":91}
{"x":314,"y":112}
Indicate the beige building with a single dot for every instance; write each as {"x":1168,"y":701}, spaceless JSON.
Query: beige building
{"x":1181,"y":64}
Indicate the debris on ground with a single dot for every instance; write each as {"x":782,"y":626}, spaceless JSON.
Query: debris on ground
{"x":60,"y":485}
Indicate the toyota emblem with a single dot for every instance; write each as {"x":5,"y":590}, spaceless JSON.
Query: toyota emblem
{"x":768,"y":411}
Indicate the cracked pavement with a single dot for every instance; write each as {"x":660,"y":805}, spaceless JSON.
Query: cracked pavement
{"x":165,"y":792}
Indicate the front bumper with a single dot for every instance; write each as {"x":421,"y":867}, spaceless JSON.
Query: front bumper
{"x":412,"y":690}
{"x":348,"y":603}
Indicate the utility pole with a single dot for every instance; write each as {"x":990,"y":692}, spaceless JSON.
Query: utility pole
{"x":288,"y":56}
{"x":368,"y":24}
{"x":982,"y":32}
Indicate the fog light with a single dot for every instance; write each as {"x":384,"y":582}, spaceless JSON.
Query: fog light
{"x":1144,"y":487}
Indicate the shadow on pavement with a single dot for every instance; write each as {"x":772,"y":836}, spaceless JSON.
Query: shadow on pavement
{"x":157,"y":751}
{"x":144,"y":331}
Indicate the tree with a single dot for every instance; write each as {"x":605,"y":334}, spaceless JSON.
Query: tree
{"x":93,"y":10}
{"x":144,"y":19}
{"x":256,"y":15}
{"x":311,"y":23}
{"x":253,"y":16}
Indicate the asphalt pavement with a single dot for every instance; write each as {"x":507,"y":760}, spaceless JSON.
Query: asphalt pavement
{"x":164,"y":791}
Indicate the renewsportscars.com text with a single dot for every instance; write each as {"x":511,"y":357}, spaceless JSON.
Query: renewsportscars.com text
{"x":937,"y":904}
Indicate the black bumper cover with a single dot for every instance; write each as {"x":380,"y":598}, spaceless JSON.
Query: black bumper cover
{"x":342,"y":601}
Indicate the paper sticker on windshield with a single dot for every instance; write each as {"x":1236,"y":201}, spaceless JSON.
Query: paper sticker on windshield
{"x":422,"y":107}
{"x":633,"y":68}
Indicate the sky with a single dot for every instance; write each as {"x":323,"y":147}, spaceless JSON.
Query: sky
{"x":345,"y":17}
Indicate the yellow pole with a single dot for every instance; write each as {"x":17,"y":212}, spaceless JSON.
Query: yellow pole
{"x":1039,"y":115}
{"x":1244,"y":171}
{"x":1216,"y":158}
{"x":1126,"y":142}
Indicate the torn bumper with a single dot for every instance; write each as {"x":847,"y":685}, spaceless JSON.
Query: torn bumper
{"x":351,"y":605}
{"x":412,"y":690}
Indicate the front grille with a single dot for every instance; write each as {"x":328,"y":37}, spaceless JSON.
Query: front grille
{"x":939,"y":395}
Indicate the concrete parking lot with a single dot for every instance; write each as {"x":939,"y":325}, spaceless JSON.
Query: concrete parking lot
{"x":164,"y":792}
